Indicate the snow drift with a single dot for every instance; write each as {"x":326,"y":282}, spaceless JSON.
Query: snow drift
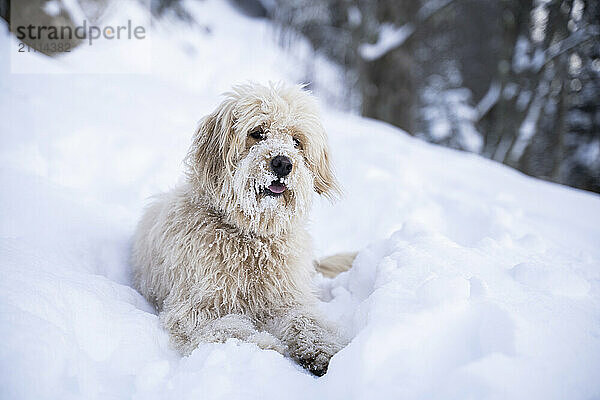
{"x":472,"y":281}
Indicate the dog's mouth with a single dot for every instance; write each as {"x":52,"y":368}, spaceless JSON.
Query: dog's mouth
{"x":276,"y":188}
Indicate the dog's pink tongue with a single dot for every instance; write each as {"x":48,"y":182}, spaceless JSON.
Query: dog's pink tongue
{"x":277,"y":187}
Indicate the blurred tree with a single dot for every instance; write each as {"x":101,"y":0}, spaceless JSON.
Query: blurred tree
{"x":514,"y":80}
{"x":581,"y":143}
{"x":5,"y":10}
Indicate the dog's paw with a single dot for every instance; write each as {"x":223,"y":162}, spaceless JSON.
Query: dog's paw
{"x":316,"y":363}
{"x":315,"y":356}
{"x":311,"y":341}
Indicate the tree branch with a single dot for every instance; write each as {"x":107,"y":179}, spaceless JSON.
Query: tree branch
{"x":579,"y":37}
{"x":425,"y":13}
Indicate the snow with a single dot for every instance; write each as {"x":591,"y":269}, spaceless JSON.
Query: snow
{"x":448,"y":107}
{"x":472,"y":280}
{"x":589,"y":155}
{"x":52,"y":8}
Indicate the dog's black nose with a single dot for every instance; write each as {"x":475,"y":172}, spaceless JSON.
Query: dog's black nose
{"x":281,"y":166}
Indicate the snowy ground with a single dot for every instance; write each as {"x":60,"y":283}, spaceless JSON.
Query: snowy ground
{"x":472,"y":281}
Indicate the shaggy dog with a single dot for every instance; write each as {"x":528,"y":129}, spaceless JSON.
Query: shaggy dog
{"x":226,"y":254}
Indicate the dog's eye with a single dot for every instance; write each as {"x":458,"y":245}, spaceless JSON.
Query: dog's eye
{"x":257,"y":134}
{"x":297,"y":143}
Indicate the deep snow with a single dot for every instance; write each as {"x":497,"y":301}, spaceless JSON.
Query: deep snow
{"x":473,"y":281}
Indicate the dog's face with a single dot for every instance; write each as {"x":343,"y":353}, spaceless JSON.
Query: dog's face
{"x":260,"y":156}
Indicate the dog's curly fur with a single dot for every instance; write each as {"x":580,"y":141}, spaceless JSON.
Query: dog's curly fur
{"x":218,"y":256}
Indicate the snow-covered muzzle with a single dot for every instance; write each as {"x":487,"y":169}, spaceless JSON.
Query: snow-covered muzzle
{"x":270,"y":203}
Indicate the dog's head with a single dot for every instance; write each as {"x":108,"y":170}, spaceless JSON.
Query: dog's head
{"x":260,"y":155}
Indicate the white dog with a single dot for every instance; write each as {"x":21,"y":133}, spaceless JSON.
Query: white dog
{"x":226,"y":254}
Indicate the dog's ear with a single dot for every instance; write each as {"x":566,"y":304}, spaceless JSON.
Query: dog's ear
{"x":210,"y":154}
{"x":325,"y":181}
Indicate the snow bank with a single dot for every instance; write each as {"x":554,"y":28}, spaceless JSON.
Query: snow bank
{"x":473,"y":281}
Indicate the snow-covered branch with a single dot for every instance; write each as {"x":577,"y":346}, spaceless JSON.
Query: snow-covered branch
{"x":528,"y":126}
{"x":577,"y":38}
{"x":431,"y":8}
{"x":391,"y":37}
{"x":489,"y":100}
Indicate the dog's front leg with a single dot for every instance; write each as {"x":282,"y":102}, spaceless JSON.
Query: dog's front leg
{"x":190,"y":326}
{"x":240,"y":327}
{"x":310,"y":339}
